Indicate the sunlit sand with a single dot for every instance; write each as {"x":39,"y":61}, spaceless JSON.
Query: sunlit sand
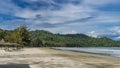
{"x":49,"y":58}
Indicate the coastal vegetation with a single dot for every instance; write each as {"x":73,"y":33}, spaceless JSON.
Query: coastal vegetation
{"x":40,"y":38}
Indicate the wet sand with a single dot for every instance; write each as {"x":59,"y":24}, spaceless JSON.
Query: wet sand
{"x":50,"y":58}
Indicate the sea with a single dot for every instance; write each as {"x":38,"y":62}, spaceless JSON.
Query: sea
{"x":111,"y":51}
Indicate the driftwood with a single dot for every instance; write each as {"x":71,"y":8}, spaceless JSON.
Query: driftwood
{"x":10,"y":45}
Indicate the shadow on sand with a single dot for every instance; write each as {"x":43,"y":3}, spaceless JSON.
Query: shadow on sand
{"x":14,"y":66}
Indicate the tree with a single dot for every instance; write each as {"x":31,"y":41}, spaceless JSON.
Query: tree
{"x":19,"y":35}
{"x":1,"y":33}
{"x":38,"y":38}
{"x":37,"y":43}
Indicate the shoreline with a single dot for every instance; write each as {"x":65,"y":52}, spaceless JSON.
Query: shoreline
{"x":86,"y":53}
{"x":94,"y":53}
{"x":88,"y":58}
{"x":51,"y":58}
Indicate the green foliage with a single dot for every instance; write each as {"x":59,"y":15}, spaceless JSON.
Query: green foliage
{"x":41,"y":38}
{"x":36,"y":43}
{"x":3,"y":33}
{"x":19,"y":35}
{"x":71,"y":40}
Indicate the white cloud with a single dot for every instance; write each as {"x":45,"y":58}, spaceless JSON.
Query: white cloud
{"x":34,"y":0}
{"x":116,"y":29}
{"x":70,"y":32}
{"x":93,"y":34}
{"x":68,"y":12}
{"x":99,"y":2}
{"x":27,"y":13}
{"x":7,"y":7}
{"x":118,"y":38}
{"x":105,"y":18}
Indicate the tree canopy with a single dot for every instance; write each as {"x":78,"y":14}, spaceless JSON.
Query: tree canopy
{"x":19,"y":35}
{"x":40,"y":38}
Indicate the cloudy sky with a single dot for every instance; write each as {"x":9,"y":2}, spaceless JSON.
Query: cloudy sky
{"x":91,"y":17}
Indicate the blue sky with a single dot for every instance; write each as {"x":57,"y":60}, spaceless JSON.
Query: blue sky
{"x":91,"y":17}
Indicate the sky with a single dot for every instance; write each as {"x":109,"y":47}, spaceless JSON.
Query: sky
{"x":92,"y":17}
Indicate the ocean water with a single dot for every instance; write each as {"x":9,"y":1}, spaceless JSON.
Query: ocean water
{"x":111,"y":51}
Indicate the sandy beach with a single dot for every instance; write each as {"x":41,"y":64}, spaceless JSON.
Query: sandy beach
{"x":50,"y":58}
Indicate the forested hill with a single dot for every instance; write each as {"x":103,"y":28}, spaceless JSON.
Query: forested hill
{"x":43,"y":38}
{"x":70,"y":40}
